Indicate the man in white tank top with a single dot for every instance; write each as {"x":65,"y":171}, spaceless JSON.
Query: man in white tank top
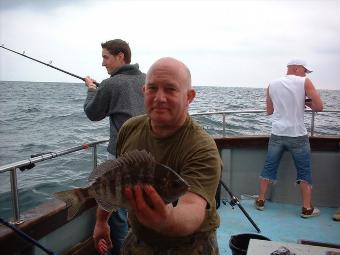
{"x":286,"y":101}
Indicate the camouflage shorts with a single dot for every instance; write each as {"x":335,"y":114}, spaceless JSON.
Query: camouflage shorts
{"x":203,"y":244}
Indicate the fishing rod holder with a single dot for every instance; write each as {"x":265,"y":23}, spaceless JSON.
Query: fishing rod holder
{"x":233,"y":201}
{"x":30,"y":163}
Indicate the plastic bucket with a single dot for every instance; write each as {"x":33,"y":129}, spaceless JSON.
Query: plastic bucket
{"x":239,"y":243}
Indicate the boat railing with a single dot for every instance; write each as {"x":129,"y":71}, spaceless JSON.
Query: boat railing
{"x":226,"y":113}
{"x":30,"y":163}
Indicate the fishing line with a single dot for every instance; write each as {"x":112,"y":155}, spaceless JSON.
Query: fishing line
{"x":46,"y":64}
{"x":25,"y":236}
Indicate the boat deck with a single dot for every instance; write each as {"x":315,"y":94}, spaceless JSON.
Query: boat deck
{"x":278,"y":222}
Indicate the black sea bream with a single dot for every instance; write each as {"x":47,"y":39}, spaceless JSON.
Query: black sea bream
{"x":108,"y":180}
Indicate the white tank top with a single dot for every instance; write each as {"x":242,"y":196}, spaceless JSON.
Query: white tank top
{"x":288,"y":97}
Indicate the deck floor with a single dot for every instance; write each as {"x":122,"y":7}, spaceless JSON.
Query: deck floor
{"x":278,"y":222}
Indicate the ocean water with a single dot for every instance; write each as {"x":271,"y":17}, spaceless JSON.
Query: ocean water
{"x":48,"y":117}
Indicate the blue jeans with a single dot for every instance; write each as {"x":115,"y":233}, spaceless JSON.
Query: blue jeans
{"x":118,"y":229}
{"x":298,"y":147}
{"x":118,"y":225}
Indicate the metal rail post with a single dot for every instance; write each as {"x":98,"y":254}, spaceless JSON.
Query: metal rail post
{"x":223,"y":116}
{"x":94,"y":156}
{"x":312,"y":124}
{"x":15,"y":197}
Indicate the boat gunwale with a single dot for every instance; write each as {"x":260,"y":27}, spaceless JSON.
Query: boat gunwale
{"x":38,"y":222}
{"x":317,"y":143}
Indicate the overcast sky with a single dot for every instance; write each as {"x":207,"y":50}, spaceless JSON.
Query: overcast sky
{"x":224,"y":43}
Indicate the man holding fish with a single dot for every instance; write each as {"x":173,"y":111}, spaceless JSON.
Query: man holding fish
{"x":174,"y":139}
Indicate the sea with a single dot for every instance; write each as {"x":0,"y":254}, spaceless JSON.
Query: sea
{"x":43,"y":117}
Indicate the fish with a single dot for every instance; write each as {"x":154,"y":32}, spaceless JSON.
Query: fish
{"x":108,"y":180}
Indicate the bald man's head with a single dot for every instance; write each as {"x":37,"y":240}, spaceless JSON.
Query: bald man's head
{"x":167,"y":95}
{"x":173,"y":65}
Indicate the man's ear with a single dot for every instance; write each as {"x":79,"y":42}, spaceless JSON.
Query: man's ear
{"x":191,"y":95}
{"x":121,"y":56}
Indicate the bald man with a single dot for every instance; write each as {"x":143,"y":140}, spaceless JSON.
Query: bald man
{"x":176,"y":140}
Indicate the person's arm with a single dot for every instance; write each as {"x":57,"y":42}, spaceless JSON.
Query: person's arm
{"x":166,"y":219}
{"x":101,"y":232}
{"x":98,"y":101}
{"x":269,"y":103}
{"x":183,"y":220}
{"x":316,"y":103}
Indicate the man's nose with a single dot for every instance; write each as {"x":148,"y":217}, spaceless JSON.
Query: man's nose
{"x":160,"y":95}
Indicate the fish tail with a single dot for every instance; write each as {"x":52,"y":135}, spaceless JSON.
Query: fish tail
{"x":74,"y":199}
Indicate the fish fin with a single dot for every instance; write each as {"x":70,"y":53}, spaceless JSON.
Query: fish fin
{"x":105,"y":205}
{"x":74,"y":199}
{"x":92,"y":176}
{"x":101,"y":169}
{"x":130,"y":159}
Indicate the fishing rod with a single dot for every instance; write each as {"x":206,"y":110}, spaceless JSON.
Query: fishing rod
{"x":30,"y":163}
{"x":23,"y":235}
{"x":46,"y":64}
{"x":234,"y":201}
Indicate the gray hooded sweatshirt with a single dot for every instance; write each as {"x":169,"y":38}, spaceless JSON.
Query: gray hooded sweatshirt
{"x":120,"y":97}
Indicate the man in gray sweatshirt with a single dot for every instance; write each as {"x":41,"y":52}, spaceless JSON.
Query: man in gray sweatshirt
{"x":118,"y":97}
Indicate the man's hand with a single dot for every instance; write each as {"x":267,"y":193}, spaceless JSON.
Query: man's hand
{"x":149,"y":207}
{"x":90,"y":83}
{"x":101,"y":237}
{"x":153,"y":213}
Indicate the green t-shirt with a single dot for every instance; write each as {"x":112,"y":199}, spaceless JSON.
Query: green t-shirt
{"x":191,"y":152}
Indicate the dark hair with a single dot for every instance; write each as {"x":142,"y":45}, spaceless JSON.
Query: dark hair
{"x":116,"y":46}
